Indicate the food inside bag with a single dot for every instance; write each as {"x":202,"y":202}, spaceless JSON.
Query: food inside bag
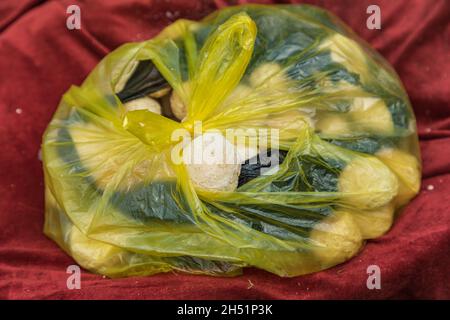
{"x":320,"y":142}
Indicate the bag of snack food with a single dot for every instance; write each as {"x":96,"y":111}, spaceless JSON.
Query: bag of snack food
{"x":319,"y":128}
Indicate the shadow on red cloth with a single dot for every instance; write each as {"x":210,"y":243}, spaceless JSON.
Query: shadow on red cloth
{"x":41,"y":58}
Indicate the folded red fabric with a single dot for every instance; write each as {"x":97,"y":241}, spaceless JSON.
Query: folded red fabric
{"x":41,"y":58}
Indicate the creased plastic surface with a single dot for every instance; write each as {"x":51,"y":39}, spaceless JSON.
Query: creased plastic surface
{"x":118,"y":204}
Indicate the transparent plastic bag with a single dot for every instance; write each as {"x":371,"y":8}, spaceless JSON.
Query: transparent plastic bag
{"x":120,"y":206}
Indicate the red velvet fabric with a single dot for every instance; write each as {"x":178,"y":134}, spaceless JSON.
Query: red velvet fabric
{"x":40,"y":58}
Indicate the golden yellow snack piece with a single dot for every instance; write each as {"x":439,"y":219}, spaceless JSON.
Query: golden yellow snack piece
{"x":268,"y":75}
{"x":370,"y":114}
{"x":333,"y":125}
{"x":92,"y":254}
{"x":291,"y":119}
{"x":240,"y":92}
{"x":367,"y":183}
{"x":407,"y":169}
{"x":348,"y":53}
{"x":376,"y":222}
{"x":336,"y":238}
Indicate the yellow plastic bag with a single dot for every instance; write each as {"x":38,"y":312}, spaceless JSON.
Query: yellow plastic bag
{"x":119,"y":204}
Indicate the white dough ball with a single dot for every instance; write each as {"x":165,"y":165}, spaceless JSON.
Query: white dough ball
{"x":212,"y":162}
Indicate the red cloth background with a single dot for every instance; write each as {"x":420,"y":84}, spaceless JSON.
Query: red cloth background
{"x":40,"y":58}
